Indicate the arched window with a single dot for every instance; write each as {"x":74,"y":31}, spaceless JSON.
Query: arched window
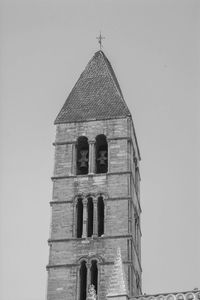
{"x":82,"y":155}
{"x":90,"y":210}
{"x":100,"y":214}
{"x":94,"y":275}
{"x":101,"y":154}
{"x":88,"y":268}
{"x":79,"y":218}
{"x":83,"y":281}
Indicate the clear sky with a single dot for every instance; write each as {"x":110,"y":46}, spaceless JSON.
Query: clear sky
{"x":153,"y":46}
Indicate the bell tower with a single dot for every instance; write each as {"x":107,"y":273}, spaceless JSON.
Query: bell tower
{"x":96,"y":189}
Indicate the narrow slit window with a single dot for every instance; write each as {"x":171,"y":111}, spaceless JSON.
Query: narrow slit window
{"x":90,"y":210}
{"x":100,"y":208}
{"x":83,"y":281}
{"x":137,"y":281}
{"x":79,"y":218}
{"x":101,"y":154}
{"x":137,"y":180}
{"x":82,"y":156}
{"x":94,"y":275}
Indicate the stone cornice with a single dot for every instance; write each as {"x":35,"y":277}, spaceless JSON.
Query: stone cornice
{"x":90,"y":175}
{"x":49,"y":266}
{"x":92,"y":141}
{"x":128,"y":138}
{"x":88,"y":240}
{"x":64,"y":143}
{"x":118,"y":138}
{"x":92,"y":120}
{"x":107,"y":199}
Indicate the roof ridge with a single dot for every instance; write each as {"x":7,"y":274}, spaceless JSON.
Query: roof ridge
{"x":115,"y":81}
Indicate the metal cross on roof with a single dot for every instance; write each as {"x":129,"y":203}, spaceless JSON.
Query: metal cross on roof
{"x":100,"y":38}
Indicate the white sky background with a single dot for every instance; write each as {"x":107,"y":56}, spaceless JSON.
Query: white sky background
{"x":153,"y":47}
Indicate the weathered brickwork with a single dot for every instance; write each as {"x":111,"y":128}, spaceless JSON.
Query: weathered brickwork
{"x":118,"y":188}
{"x":65,"y":189}
{"x":113,"y":128}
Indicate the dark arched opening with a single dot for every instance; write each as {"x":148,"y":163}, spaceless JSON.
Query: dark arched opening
{"x":79,"y":218}
{"x":90,"y":217}
{"x":94,"y":275}
{"x":82,"y":155}
{"x":101,"y":154}
{"x":100,"y":208}
{"x":83,"y":281}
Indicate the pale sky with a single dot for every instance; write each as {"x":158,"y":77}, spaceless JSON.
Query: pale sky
{"x":153,"y":46}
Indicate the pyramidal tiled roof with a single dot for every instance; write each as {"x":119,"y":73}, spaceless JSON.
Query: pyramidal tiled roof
{"x":96,"y":95}
{"x":117,"y":285}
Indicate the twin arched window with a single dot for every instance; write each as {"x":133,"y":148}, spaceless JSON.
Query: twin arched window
{"x":100,"y":153}
{"x":94,"y":215}
{"x":85,"y":281}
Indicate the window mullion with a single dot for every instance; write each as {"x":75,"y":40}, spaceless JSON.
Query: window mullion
{"x":85,"y":217}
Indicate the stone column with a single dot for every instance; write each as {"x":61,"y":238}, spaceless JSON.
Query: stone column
{"x":84,"y":235}
{"x":88,"y":265}
{"x":91,"y":157}
{"x":95,"y":218}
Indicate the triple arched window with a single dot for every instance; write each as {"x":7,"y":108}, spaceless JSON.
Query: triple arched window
{"x":92,"y":159}
{"x":90,"y":217}
{"x":88,"y":275}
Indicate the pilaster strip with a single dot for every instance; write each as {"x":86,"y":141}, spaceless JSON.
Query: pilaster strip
{"x":138,"y":201}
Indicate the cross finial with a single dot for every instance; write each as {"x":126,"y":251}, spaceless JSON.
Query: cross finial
{"x":100,"y":38}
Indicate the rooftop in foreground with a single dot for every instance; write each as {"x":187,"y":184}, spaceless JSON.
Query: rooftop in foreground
{"x":187,"y":295}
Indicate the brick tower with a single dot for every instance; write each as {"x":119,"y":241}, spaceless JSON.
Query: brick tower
{"x":96,"y":196}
